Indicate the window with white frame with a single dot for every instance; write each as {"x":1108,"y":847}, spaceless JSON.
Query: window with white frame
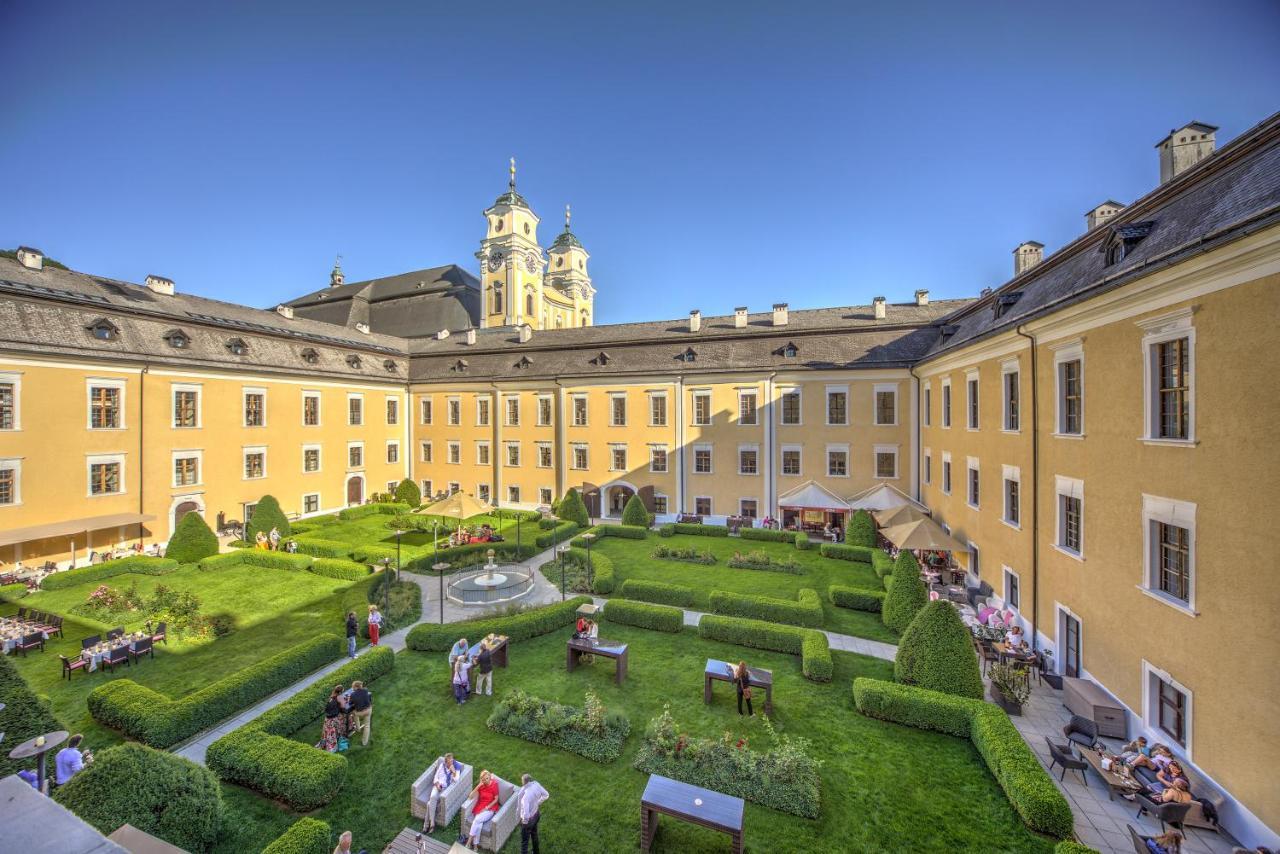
{"x":1012,"y":591}
{"x":927,"y":394}
{"x":974,"y":566}
{"x":702,"y":459}
{"x":971,"y":385}
{"x":255,"y":463}
{"x":513,"y":454}
{"x":618,"y":409}
{"x":393,"y":410}
{"x":701,"y":408}
{"x":391,"y":486}
{"x":1012,"y":401}
{"x":748,"y":507}
{"x":355,"y":455}
{"x":657,"y":409}
{"x":791,"y":465}
{"x":427,"y":452}
{"x":928,"y":466}
{"x":1011,"y":476}
{"x":886,"y":460}
{"x":617,"y":457}
{"x":1070,"y":529}
{"x":355,"y":409}
{"x":748,"y":459}
{"x":453,"y":453}
{"x":886,"y":404}
{"x":311,"y":409}
{"x":311,"y":502}
{"x":837,"y":460}
{"x":428,"y":489}
{"x":1068,"y":363}
{"x":1168,"y":348}
{"x":10,"y":399}
{"x":544,"y":455}
{"x":974,"y":482}
{"x":513,"y":494}
{"x":1167,"y":706}
{"x":186,"y":406}
{"x":1169,"y":535}
{"x":544,"y":495}
{"x":946,"y":472}
{"x":255,"y":407}
{"x":310,"y":459}
{"x":789,"y":411}
{"x":106,"y":404}
{"x":393,"y":451}
{"x":544,"y":414}
{"x":702,"y":505}
{"x":10,"y":482}
{"x":453,"y":486}
{"x":426,"y":410}
{"x":946,"y":403}
{"x":837,"y":405}
{"x":453,"y":411}
{"x":658,"y":459}
{"x":482,"y":492}
{"x":579,"y":402}
{"x":186,"y":468}
{"x":659,"y":504}
{"x":482,"y":454}
{"x":748,"y":415}
{"x":579,"y":456}
{"x":513,"y":411}
{"x":482,"y":411}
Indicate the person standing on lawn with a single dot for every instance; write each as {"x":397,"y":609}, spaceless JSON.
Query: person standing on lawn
{"x":529,"y":802}
{"x":459,"y":650}
{"x":353,"y":628}
{"x":484,"y":670}
{"x":362,"y":710}
{"x":461,"y":679}
{"x":742,"y":682}
{"x":375,"y":624}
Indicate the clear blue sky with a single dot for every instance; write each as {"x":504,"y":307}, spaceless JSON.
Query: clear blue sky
{"x":742,"y":154}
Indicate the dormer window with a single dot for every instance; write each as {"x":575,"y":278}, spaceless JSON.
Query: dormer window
{"x":790,"y":351}
{"x":1003,"y":302}
{"x":689,"y":355}
{"x":103,"y":329}
{"x":310,"y":356}
{"x":390,"y":365}
{"x":947,"y":330}
{"x":460,"y":365}
{"x":524,"y":362}
{"x":237,"y":347}
{"x":177,"y":339}
{"x":353,"y":361}
{"x":1123,"y":239}
{"x":601,"y":359}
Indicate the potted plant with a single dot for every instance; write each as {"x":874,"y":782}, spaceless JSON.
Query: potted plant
{"x":1010,"y":687}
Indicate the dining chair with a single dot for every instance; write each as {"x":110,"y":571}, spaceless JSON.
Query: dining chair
{"x":141,"y":648}
{"x":91,"y":640}
{"x":115,"y":633}
{"x":161,"y":634}
{"x":30,"y":641}
{"x":72,"y":664}
{"x":119,"y":655}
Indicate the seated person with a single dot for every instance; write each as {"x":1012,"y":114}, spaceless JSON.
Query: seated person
{"x":1134,"y":749}
{"x":486,"y":807}
{"x":1178,"y":793}
{"x":446,"y":773}
{"x":1168,"y":843}
{"x":593,"y":629}
{"x":580,"y":628}
{"x":1171,"y":775}
{"x":1014,"y":639}
{"x":1155,"y":760}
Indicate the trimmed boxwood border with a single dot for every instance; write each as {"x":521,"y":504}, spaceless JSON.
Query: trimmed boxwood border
{"x":805,"y":612}
{"x":1025,"y":783}
{"x":304,"y":836}
{"x":810,"y":644}
{"x":152,"y":718}
{"x":657,"y":591}
{"x":432,"y":637}
{"x":768,"y":535}
{"x":857,"y":598}
{"x":844,"y":551}
{"x":140,"y":564}
{"x":660,"y":618}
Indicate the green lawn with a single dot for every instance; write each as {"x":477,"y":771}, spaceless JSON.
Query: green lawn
{"x":884,"y":787}
{"x":273,"y":610}
{"x":375,"y":530}
{"x":631,"y":559}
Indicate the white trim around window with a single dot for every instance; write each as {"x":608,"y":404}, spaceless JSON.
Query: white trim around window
{"x":453,"y":452}
{"x":782,"y":456}
{"x":90,"y":460}
{"x":393,"y":443}
{"x":453,"y":410}
{"x":877,"y":390}
{"x":486,"y":458}
{"x":573,"y":456}
{"x":945,"y":402}
{"x":783,"y":391}
{"x":875,"y":461}
{"x":826,"y":405}
{"x":507,"y":448}
{"x":307,"y":495}
{"x":550,"y":409}
{"x":14,"y":378}
{"x":750,"y":448}
{"x":972,"y":467}
{"x":972,"y":399}
{"x":838,"y":448}
{"x":614,"y":448}
{"x":1180,"y":514}
{"x":1160,"y":330}
{"x":1010,"y":474}
{"x":927,"y":475}
{"x":90,"y":384}
{"x":754,"y":394}
{"x":614,"y":397}
{"x":947,"y":474}
{"x":319,"y":449}
{"x":355,"y":396}
{"x":1070,"y":351}
{"x":173,"y":468}
{"x":654,"y":449}
{"x":1151,"y":677}
{"x":364,"y":460}
{"x":711,"y":459}
{"x":245,"y":391}
{"x":13,"y":464}
{"x":1014,"y":367}
{"x":650,"y":397}
{"x":1067,"y":487}
{"x":1011,"y":589}
{"x":319,"y":409}
{"x":539,"y":447}
{"x":244,"y":456}
{"x":926,"y":392}
{"x":174,"y":388}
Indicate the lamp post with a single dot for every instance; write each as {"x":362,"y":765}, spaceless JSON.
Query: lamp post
{"x":386,"y":584}
{"x":440,"y":568}
{"x":560,"y":552}
{"x":588,"y":537}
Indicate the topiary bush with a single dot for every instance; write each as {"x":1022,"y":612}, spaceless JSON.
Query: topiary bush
{"x":906,"y":596}
{"x":191,"y":540}
{"x":304,"y":836}
{"x":936,"y":652}
{"x":573,"y":510}
{"x":407,"y":492}
{"x":267,"y":515}
{"x":634,"y":513}
{"x":805,"y":612}
{"x":857,"y":598}
{"x":846,"y":551}
{"x":862,"y":530}
{"x":432,"y":637}
{"x":157,"y":792}
{"x":802,"y":541}
{"x":657,"y":617}
{"x":24,"y":716}
{"x":881,"y":563}
{"x":657,"y":591}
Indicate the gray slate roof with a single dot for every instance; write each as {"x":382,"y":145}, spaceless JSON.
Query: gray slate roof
{"x":1237,"y":186}
{"x":409,"y":305}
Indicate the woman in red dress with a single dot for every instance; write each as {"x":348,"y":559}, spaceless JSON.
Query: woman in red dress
{"x":486,"y":798}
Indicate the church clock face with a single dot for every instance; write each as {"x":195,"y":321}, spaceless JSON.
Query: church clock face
{"x":496,"y":259}
{"x":531,"y":262}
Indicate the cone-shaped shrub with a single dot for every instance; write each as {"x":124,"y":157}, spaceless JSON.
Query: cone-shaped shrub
{"x":573,"y":510}
{"x":936,"y":652}
{"x":862,"y":530}
{"x":634,"y":513}
{"x":906,"y":596}
{"x":192,"y":541}
{"x":267,"y":515}
{"x":408,"y":493}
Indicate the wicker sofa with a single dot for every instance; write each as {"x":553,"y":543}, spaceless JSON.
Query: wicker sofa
{"x":1199,"y":789}
{"x":503,"y":824}
{"x":450,"y":799}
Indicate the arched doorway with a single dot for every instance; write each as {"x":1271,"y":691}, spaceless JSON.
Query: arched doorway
{"x":355,"y":490}
{"x":181,"y":506}
{"x":183,"y":509}
{"x":616,"y":498}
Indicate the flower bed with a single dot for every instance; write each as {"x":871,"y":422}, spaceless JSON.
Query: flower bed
{"x":685,"y":555}
{"x":810,"y":644}
{"x":591,"y":731}
{"x":432,"y":637}
{"x":805,"y":612}
{"x":657,"y":591}
{"x":139,"y":564}
{"x":760,"y":559}
{"x":784,"y":778}
{"x":602,"y":577}
{"x":660,"y":618}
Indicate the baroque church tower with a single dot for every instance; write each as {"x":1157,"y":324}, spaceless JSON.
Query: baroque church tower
{"x":512,"y":268}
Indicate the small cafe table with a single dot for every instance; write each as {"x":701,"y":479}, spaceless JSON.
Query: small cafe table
{"x":578,"y":647}
{"x":406,"y":842}
{"x":39,"y":747}
{"x":688,"y":803}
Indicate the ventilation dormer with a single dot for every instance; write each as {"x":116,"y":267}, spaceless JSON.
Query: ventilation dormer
{"x":460,"y":365}
{"x":390,"y":366}
{"x":948,"y":329}
{"x":1123,"y":239}
{"x":103,"y":329}
{"x":788,"y":350}
{"x":689,"y":355}
{"x":237,"y":347}
{"x":1003,"y":302}
{"x":601,"y":359}
{"x":353,"y":361}
{"x":310,"y":355}
{"x":177,"y":339}
{"x":523,"y":363}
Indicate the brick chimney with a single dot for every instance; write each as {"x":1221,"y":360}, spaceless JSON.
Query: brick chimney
{"x":740,"y":317}
{"x":1026,"y":256}
{"x":1184,"y":148}
{"x":922,"y":297}
{"x":878,"y":307}
{"x":1102,"y":213}
{"x":695,"y":321}
{"x":160,"y":285}
{"x":32,"y":259}
{"x":779,"y":314}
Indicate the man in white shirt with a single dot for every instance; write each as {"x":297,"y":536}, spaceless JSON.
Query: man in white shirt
{"x":446,"y":773}
{"x":530,"y":802}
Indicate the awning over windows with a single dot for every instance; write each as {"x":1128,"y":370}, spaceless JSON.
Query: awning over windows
{"x":812,"y":496}
{"x":71,"y":527}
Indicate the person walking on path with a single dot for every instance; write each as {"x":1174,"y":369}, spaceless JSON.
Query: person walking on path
{"x":353,"y":627}
{"x":375,"y":624}
{"x":529,"y":802}
{"x":484,"y":670}
{"x":362,"y":709}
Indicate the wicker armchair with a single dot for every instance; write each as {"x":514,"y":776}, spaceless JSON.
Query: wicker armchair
{"x":450,"y":799}
{"x":503,"y":824}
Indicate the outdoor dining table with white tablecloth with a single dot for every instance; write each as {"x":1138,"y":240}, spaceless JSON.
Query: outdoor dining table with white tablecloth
{"x":12,"y":631}
{"x":93,"y":655}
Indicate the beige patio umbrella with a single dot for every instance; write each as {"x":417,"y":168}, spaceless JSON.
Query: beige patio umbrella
{"x":899,"y":515}
{"x":922,"y":534}
{"x":458,"y":506}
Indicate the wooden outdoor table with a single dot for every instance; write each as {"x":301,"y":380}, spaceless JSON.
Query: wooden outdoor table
{"x":1004,"y":651}
{"x":723,"y":671}
{"x":578,"y":647}
{"x":688,"y":803}
{"x":497,"y":652}
{"x":1115,"y":782}
{"x":29,"y":748}
{"x":405,"y":843}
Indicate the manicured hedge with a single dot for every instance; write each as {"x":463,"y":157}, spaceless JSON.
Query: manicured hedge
{"x":556,"y":533}
{"x":376,"y":554}
{"x":140,"y":564}
{"x":364,"y":511}
{"x":192,"y":540}
{"x":546,"y":523}
{"x":657,"y":617}
{"x":700,"y":530}
{"x":635,"y":514}
{"x":157,"y":792}
{"x":1026,"y":784}
{"x":275,"y":560}
{"x":802,"y":541}
{"x":936,"y":652}
{"x":13,"y":592}
{"x":154,"y":719}
{"x":432,"y":637}
{"x":881,"y":563}
{"x":862,"y":530}
{"x":602,"y":576}
{"x":811,"y":645}
{"x":667,"y":530}
{"x":261,"y":756}
{"x":304,"y":836}
{"x":323,"y":548}
{"x":857,"y":598}
{"x":335,"y":568}
{"x":657,"y":591}
{"x":471,"y":554}
{"x":529,"y":516}
{"x":845,"y":551}
{"x":1067,"y":846}
{"x":767,"y":534}
{"x":906,"y":594}
{"x":805,"y":612}
{"x":24,"y":716}
{"x":626,"y":532}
